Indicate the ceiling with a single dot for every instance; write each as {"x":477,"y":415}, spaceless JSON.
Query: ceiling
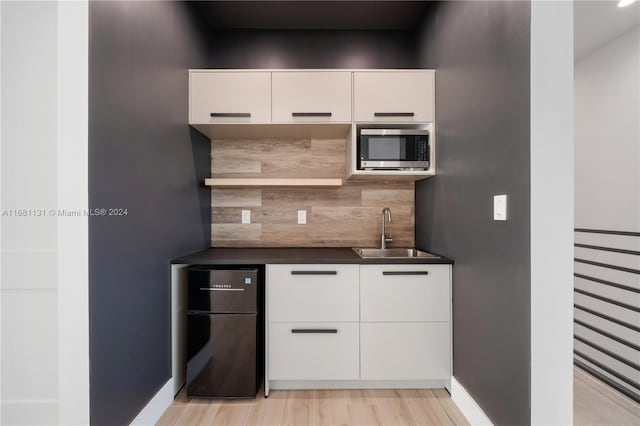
{"x":598,"y":22}
{"x":296,"y":14}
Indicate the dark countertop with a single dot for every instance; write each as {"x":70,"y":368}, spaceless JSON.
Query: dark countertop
{"x":238,"y":256}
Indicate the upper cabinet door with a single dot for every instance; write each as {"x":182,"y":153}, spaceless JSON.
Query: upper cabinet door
{"x":229,"y":97}
{"x":406,"y":96}
{"x":302,"y":96}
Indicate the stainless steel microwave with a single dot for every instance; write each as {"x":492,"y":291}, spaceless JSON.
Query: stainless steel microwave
{"x":393,"y":149}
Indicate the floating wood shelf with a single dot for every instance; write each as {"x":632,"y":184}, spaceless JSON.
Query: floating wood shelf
{"x":261,"y":182}
{"x":266,"y":131}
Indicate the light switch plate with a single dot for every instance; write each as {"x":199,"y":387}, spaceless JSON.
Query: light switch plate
{"x":302,"y":217}
{"x":246,"y":217}
{"x":500,"y":207}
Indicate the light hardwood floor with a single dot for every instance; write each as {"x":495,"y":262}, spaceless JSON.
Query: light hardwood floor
{"x":594,"y":403}
{"x":321,"y":407}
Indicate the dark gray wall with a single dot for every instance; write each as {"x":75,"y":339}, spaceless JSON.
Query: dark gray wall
{"x":481,"y":53}
{"x":142,"y":157}
{"x":311,"y":49}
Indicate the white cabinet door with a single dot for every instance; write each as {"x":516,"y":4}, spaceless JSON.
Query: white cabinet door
{"x":404,"y":293}
{"x":229,"y":97}
{"x":312,"y":293}
{"x":404,"y":351}
{"x":407,"y":96}
{"x":311,"y":96}
{"x":313,"y":351}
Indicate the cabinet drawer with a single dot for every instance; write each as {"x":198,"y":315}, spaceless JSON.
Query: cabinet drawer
{"x":312,"y":293}
{"x":312,"y":351}
{"x":404,"y":351}
{"x":229,"y":97}
{"x":404,"y":293}
{"x":406,"y":96}
{"x":303,"y":96}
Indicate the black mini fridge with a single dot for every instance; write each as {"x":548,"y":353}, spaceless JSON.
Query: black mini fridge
{"x":222,"y":333}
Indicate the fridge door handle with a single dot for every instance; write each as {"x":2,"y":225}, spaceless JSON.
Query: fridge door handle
{"x":220,"y":289}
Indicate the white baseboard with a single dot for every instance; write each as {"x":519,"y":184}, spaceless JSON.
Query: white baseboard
{"x":467,"y":405}
{"x":154,"y":409}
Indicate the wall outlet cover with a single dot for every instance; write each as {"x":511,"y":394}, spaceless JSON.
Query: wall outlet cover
{"x":246,"y":217}
{"x":500,"y":207}
{"x":302,"y":217}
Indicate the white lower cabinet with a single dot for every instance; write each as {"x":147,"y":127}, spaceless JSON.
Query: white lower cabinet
{"x":405,"y":327}
{"x":358,"y":326}
{"x":404,"y":351}
{"x":311,"y":293}
{"x":391,"y":293}
{"x":313,"y":351}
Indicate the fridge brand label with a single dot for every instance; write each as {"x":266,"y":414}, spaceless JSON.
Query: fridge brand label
{"x":213,"y":285}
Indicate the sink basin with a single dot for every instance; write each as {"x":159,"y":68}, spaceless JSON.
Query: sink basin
{"x":394,"y":253}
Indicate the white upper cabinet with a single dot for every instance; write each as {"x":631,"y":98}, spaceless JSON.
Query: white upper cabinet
{"x":394,"y":96}
{"x":229,"y":97}
{"x":311,"y":96}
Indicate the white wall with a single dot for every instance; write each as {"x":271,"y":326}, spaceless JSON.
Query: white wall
{"x":607,"y":151}
{"x":551,"y":212}
{"x":73,"y":193}
{"x":607,"y":187}
{"x":44,"y":340}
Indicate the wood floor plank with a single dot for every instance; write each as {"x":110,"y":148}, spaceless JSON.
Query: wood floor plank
{"x":596,"y":404}
{"x":267,"y":411}
{"x":425,"y":408}
{"x":171,"y":416}
{"x":198,"y":412}
{"x":354,"y":396}
{"x":232,"y":413}
{"x":363,"y":415}
{"x":607,"y":391}
{"x":452,"y":410}
{"x":391,"y":407}
{"x":298,"y":408}
{"x":331,"y":408}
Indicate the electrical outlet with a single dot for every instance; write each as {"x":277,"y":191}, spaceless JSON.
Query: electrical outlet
{"x":499,"y":207}
{"x":302,"y":217}
{"x":246,"y":217}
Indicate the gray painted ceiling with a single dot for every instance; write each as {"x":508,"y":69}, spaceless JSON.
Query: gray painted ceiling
{"x":297,"y":14}
{"x":598,"y":22}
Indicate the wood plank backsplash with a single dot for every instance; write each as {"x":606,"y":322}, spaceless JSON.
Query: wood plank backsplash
{"x":346,"y":216}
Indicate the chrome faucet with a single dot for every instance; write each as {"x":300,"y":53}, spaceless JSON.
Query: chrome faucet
{"x":386,"y":213}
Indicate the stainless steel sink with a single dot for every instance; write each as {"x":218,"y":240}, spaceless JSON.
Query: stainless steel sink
{"x":394,"y":253}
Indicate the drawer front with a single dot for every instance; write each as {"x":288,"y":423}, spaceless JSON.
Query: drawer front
{"x":393,"y":96}
{"x":312,"y":293}
{"x":302,"y":96}
{"x":405,"y":351}
{"x":404,"y":293}
{"x":232,"y":97}
{"x":313,"y":351}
